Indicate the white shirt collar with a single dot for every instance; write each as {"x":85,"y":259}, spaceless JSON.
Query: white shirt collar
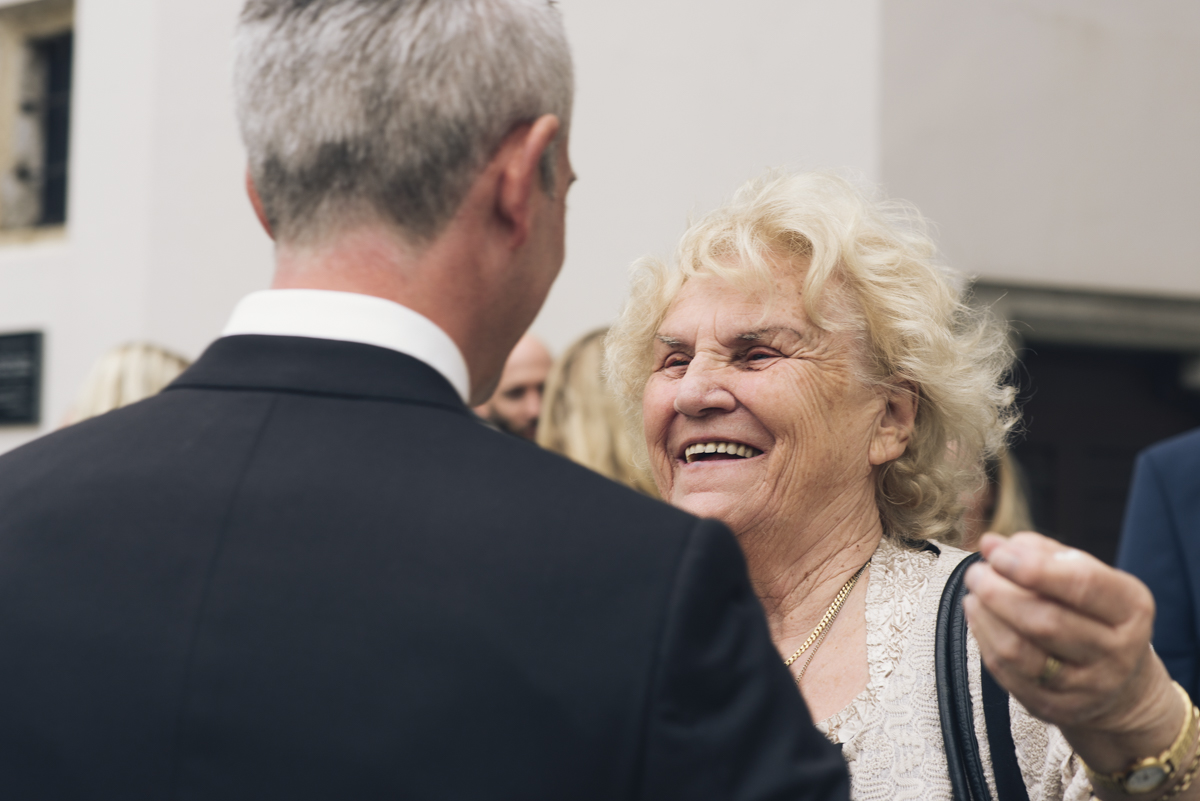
{"x":350,"y":317}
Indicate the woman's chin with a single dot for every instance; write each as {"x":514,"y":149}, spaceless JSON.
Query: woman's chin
{"x":717,"y":505}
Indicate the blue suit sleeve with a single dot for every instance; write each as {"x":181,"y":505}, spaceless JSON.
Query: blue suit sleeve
{"x":725,"y":719}
{"x":1151,"y":550}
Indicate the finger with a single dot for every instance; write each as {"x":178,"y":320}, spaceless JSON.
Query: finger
{"x":1020,"y":664}
{"x":1048,"y":624}
{"x":1073,"y":695}
{"x":1075,"y":579}
{"x":1015,"y":661}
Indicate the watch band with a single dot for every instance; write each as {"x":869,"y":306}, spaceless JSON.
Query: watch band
{"x":1154,"y":772}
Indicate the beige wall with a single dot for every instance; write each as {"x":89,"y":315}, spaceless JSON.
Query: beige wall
{"x":1053,"y":141}
{"x":18,"y":24}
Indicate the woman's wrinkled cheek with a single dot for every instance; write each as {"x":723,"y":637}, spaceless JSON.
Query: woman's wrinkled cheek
{"x":663,"y":468}
{"x":787,"y":490}
{"x":657,"y":407}
{"x":755,"y":518}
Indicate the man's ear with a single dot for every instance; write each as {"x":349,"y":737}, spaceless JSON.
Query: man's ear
{"x":520,"y":174}
{"x":256,"y":202}
{"x":895,"y":424}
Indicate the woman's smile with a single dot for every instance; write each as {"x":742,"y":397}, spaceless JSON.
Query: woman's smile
{"x":745,"y":408}
{"x":718,"y":450}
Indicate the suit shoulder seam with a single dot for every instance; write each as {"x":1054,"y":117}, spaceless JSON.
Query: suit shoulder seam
{"x":202,"y":608}
{"x":660,"y":657}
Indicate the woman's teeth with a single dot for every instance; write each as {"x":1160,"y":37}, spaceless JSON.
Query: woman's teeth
{"x":730,"y":449}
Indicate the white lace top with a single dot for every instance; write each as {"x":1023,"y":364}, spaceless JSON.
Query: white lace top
{"x":891,"y":732}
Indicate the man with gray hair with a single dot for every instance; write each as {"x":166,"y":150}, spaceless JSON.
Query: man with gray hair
{"x":306,"y":570}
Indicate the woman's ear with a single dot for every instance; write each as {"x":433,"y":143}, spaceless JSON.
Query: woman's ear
{"x":894,"y":426}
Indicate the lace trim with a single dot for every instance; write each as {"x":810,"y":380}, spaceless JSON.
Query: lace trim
{"x":895,"y":583}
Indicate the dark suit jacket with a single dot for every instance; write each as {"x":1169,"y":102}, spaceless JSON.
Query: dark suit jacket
{"x":306,"y":571}
{"x":1160,"y":545}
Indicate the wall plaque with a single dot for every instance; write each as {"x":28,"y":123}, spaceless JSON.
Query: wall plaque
{"x":20,"y":379}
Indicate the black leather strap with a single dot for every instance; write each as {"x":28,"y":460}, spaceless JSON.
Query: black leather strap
{"x":1010,"y":785}
{"x":954,"y":692}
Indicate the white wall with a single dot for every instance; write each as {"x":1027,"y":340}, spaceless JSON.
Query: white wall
{"x":160,"y":241}
{"x":677,"y":104}
{"x":680,"y":102}
{"x":207,"y":248}
{"x":1053,"y":141}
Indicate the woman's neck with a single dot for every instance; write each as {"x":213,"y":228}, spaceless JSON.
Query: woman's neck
{"x":797,"y":569}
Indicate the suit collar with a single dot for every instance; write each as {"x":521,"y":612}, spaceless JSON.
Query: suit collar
{"x":314,"y":366}
{"x":351,"y":317}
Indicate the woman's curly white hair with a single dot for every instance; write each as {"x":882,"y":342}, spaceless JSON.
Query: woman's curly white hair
{"x":869,"y":267}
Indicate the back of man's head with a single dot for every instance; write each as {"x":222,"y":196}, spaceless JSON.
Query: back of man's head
{"x":364,"y":111}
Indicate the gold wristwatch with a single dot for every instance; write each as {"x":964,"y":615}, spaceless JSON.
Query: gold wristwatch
{"x":1151,"y":773}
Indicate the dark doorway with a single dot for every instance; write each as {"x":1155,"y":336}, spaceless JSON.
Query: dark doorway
{"x":54,"y":57}
{"x":1087,"y":413}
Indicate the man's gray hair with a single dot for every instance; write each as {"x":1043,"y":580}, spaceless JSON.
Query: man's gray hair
{"x":388,"y":109}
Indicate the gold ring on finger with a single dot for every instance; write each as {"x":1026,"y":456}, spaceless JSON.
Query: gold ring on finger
{"x":1051,"y":669}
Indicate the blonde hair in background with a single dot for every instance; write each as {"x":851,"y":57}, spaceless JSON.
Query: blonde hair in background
{"x":999,"y":503}
{"x":870,"y":268}
{"x":581,"y":418}
{"x":1011,"y":513}
{"x":1004,"y":508}
{"x":126,"y":374}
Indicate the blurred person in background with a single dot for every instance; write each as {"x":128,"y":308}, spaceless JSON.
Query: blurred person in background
{"x":582,"y":420}
{"x":1160,"y":544}
{"x":126,"y":374}
{"x":801,"y":371}
{"x":516,"y":405}
{"x":305,"y":571}
{"x":1000,"y":504}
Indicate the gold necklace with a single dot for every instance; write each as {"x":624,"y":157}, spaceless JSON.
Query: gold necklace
{"x":818,"y":634}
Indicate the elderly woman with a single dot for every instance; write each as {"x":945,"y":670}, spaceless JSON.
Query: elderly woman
{"x":802,"y":374}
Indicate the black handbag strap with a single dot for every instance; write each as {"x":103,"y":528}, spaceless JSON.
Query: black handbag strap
{"x":967,"y":779}
{"x":954,"y":692}
{"x":1010,"y":785}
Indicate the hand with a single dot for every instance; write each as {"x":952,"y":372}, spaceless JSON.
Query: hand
{"x":1035,"y":598}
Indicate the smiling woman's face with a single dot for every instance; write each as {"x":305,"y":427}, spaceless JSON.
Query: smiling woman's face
{"x":759,"y":418}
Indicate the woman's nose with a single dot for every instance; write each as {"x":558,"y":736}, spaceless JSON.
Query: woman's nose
{"x":701,"y":391}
